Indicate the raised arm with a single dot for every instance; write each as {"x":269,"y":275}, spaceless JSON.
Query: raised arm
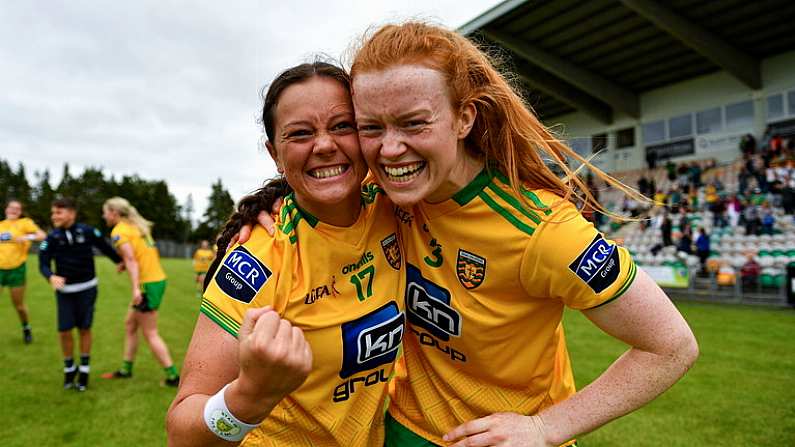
{"x":271,"y":360}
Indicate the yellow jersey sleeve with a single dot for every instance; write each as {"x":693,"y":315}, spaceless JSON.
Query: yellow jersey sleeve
{"x":28,"y":226}
{"x":120,"y":235}
{"x":568,"y":259}
{"x":242,"y":282}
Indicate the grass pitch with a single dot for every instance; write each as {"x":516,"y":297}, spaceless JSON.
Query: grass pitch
{"x":741,"y":392}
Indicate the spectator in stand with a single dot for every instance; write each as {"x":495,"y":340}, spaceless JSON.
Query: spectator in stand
{"x":734,"y":210}
{"x":768,"y":219}
{"x":742,"y":179}
{"x":660,"y":197}
{"x":670,"y":168}
{"x":643,"y":185}
{"x":666,"y":228}
{"x":751,"y":217}
{"x":702,"y":247}
{"x":695,"y":175}
{"x":775,"y":146}
{"x":685,"y":244}
{"x":750,"y":271}
{"x":788,"y":197}
{"x":748,"y":144}
{"x":683,"y":176}
{"x":651,"y":159}
{"x":675,"y":200}
{"x":718,"y":208}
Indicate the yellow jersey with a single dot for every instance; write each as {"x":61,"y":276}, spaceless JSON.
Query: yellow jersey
{"x":13,"y":253}
{"x":202,"y":259}
{"x":488,"y":278}
{"x":144,"y":249}
{"x":344,"y":288}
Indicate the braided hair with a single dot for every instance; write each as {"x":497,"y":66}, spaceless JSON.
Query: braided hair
{"x":247,"y":211}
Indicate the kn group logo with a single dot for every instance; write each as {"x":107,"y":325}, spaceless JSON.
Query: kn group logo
{"x":598,"y":266}
{"x":428,"y":306}
{"x":372,"y":340}
{"x":242,"y":275}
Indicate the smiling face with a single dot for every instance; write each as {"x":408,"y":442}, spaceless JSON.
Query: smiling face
{"x":13,"y":210}
{"x":411,"y":137}
{"x":62,"y":217}
{"x":317,"y":149}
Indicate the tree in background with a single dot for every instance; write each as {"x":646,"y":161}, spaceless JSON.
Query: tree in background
{"x":219,"y":208}
{"x":90,"y":189}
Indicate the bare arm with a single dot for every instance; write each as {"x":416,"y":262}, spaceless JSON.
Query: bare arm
{"x":128,"y":258}
{"x":662,"y":349}
{"x":270,"y":361}
{"x":38,"y":236}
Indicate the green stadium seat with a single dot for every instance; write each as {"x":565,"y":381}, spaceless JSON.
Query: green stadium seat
{"x":766,"y":280}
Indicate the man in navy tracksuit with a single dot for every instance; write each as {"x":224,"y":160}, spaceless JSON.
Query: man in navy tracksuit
{"x":71,"y":245}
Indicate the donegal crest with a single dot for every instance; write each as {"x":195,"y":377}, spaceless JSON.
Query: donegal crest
{"x":471,"y":269}
{"x":391,"y":250}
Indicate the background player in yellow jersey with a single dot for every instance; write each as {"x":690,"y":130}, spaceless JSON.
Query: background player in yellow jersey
{"x":16,"y":235}
{"x":324,"y":294}
{"x":202,"y":258}
{"x":132,"y":238}
{"x":495,"y":249}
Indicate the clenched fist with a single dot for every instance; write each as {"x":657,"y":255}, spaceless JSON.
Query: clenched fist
{"x":275,"y":359}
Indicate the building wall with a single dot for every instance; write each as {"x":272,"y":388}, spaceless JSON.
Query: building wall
{"x":688,"y":97}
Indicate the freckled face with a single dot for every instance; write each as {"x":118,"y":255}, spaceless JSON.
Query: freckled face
{"x":316,"y":144}
{"x":411,"y":137}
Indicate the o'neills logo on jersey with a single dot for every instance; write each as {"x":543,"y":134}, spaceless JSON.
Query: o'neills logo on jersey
{"x":471,"y":269}
{"x":392,"y":251}
{"x":598,"y":266}
{"x":242,"y":275}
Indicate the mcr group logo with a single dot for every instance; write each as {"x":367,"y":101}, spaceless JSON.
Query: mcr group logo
{"x":471,"y":269}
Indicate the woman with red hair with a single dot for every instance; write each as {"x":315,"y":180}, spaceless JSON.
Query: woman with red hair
{"x":485,"y":359}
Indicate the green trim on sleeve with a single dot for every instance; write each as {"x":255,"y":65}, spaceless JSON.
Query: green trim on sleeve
{"x":219,"y":317}
{"x":633,"y":270}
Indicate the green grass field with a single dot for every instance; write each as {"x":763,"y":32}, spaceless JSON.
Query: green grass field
{"x":740,"y":393}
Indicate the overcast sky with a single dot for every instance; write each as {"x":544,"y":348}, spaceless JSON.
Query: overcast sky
{"x":166,"y":89}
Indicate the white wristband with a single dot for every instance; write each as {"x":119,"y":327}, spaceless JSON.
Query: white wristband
{"x":30,"y":237}
{"x":221,"y":421}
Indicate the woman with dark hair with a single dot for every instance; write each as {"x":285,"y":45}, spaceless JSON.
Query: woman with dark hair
{"x":298,"y":332}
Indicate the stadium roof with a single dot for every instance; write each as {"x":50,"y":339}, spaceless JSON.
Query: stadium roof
{"x":597,"y":56}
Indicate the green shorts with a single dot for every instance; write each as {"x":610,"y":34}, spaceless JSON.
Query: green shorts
{"x":399,"y":436}
{"x":13,"y":277}
{"x":153,"y":295}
